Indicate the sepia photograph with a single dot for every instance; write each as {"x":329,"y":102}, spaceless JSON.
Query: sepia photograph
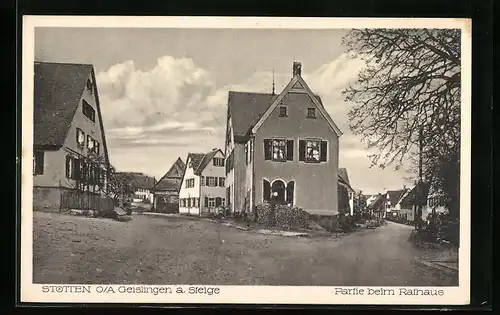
{"x":179,"y":161}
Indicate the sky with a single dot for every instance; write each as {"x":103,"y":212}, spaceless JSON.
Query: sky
{"x":163,"y":91}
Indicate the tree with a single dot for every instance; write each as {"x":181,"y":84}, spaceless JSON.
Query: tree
{"x":411,"y":84}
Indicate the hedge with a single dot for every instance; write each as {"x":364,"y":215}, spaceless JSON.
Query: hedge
{"x":265,"y":214}
{"x":291,"y":218}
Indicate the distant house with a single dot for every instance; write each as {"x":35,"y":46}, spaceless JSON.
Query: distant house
{"x":203,"y":184}
{"x":281,"y":149}
{"x":346,"y":193}
{"x":393,"y":201}
{"x":70,"y":155}
{"x":143,"y":186}
{"x":166,"y":190}
{"x":431,"y":201}
{"x":378,"y":206}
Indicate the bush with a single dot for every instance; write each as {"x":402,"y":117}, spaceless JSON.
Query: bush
{"x":346,"y":223}
{"x":265,"y":214}
{"x":288,"y":217}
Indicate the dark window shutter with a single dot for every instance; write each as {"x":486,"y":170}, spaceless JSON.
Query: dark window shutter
{"x":221,"y":184}
{"x":324,"y":151}
{"x":289,"y":192}
{"x":302,"y":150}
{"x":76,"y":169}
{"x":266,"y":190}
{"x":267,"y":149}
{"x":202,"y":180}
{"x":68,"y":165}
{"x":218,"y":201}
{"x":289,"y":150}
{"x":206,"y":201}
{"x":40,"y":161}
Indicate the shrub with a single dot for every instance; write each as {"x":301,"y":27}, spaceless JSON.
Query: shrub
{"x":288,"y":217}
{"x":346,"y":223}
{"x":265,"y":214}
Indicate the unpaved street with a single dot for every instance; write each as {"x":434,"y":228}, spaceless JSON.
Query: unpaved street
{"x":177,"y":250}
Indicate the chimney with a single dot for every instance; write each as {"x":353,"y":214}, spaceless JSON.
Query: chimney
{"x":215,"y":149}
{"x":297,"y":67}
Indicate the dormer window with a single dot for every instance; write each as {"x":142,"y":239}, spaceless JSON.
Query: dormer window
{"x":283,"y":111}
{"x":311,"y":112}
{"x":90,"y":86}
{"x":88,"y":111}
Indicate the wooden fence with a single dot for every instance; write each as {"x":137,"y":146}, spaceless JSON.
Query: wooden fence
{"x":85,"y":201}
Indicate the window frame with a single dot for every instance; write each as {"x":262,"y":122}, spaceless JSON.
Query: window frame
{"x":282,"y":107}
{"x":82,"y":133}
{"x":284,"y":159}
{"x":313,"y":109}
{"x":211,"y":200}
{"x":86,"y":107}
{"x":214,"y":179}
{"x":218,"y":162}
{"x":309,"y":160}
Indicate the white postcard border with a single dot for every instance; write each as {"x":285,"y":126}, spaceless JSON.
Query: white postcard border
{"x":31,"y":292}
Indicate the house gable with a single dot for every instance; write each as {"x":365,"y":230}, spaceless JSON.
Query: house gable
{"x":300,"y":87}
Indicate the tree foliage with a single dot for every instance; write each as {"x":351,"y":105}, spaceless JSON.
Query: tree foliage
{"x":411,"y":84}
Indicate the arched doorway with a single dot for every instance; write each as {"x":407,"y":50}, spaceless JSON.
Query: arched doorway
{"x":278,"y":192}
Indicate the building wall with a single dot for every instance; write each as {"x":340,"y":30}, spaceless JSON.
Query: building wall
{"x":213,"y":171}
{"x":236,"y":179}
{"x":193,"y":192}
{"x":52,"y":175}
{"x":46,"y":199}
{"x":315,"y":183}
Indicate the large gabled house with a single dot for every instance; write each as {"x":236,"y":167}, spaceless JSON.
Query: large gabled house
{"x":166,"y":190}
{"x":282,"y":149}
{"x":203,"y":183}
{"x":70,"y":152}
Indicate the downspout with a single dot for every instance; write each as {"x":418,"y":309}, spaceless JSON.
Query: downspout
{"x":199,"y":195}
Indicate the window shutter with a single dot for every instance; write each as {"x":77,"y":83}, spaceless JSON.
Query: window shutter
{"x":267,"y":149}
{"x":68,"y":165}
{"x":289,"y":150}
{"x":302,"y":150}
{"x":324,"y":151}
{"x":202,"y":180}
{"x":206,"y":201}
{"x":289,"y":192}
{"x":218,"y":201}
{"x":221,"y":184}
{"x":76,"y":169}
{"x":266,"y":190}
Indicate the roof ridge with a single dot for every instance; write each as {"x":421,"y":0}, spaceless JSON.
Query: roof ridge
{"x":64,"y":63}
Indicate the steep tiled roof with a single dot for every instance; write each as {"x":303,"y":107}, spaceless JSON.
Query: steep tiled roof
{"x":246,"y":108}
{"x":395,"y":196}
{"x":140,"y":180}
{"x":343,"y":175}
{"x":172,"y":179}
{"x":195,"y":159}
{"x":58,"y":88}
{"x":206,"y":159}
{"x":410,"y":198}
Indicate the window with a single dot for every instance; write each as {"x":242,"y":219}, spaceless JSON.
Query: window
{"x":90,"y":142}
{"x":73,"y":167}
{"x":89,"y":85}
{"x":211,"y":181}
{"x":311,"y":113}
{"x":88,"y":111}
{"x":313,"y":151}
{"x":190,"y":183}
{"x":211,"y":202}
{"x":280,"y":150}
{"x":283,"y":111}
{"x":38,"y":162}
{"x":218,"y":161}
{"x":80,"y":137}
{"x":97,"y":147}
{"x":221,"y":181}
